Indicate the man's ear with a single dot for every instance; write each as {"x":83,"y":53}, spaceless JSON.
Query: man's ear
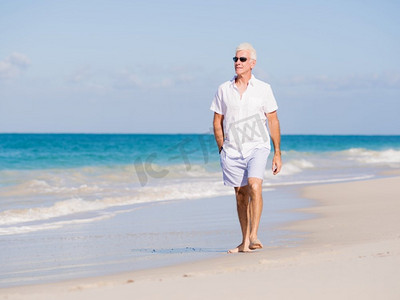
{"x":252,"y":63}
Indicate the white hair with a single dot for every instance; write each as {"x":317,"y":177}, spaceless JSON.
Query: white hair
{"x":248,"y":47}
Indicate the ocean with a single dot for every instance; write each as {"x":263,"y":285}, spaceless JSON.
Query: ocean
{"x":65,"y":196}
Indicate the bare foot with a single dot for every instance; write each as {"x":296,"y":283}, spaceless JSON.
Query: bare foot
{"x":240,"y":248}
{"x":256,"y":244}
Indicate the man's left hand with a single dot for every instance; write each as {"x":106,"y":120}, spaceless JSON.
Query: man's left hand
{"x":276,"y":163}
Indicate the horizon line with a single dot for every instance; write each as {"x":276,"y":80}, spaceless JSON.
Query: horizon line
{"x":194,"y":133}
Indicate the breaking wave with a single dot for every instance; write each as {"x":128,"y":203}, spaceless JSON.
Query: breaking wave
{"x":52,"y":198}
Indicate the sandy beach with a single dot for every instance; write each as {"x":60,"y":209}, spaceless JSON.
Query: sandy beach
{"x":350,"y":250}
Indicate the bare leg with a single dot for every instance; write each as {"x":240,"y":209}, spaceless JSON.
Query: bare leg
{"x":243,"y":209}
{"x":256,"y":207}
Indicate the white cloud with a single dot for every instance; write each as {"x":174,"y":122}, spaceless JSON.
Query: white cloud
{"x":166,"y":82}
{"x":82,"y":74}
{"x":386,"y":80}
{"x":125,"y":79}
{"x":86,"y":79}
{"x":155,"y":77}
{"x":13,"y":65}
{"x":142,"y":77}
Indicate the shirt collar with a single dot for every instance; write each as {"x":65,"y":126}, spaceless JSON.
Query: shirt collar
{"x":251,"y":81}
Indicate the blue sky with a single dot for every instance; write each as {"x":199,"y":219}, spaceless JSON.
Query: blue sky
{"x":154,"y":66}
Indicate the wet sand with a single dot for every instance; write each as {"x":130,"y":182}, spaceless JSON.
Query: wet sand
{"x":350,"y":249}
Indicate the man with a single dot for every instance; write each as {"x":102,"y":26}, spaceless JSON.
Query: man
{"x":241,"y":108}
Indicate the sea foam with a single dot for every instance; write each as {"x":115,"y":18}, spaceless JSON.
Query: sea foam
{"x":388,"y":157}
{"x":43,"y":198}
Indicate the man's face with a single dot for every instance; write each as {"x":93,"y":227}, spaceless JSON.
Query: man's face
{"x":244,"y":67}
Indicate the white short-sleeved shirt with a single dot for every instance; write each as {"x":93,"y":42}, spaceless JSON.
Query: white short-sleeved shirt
{"x":245,"y":127}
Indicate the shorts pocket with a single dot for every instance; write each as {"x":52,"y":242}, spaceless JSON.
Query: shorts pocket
{"x":222,"y":157}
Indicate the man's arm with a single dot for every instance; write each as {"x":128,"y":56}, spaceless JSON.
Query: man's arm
{"x":275,"y":133}
{"x":218,"y":130}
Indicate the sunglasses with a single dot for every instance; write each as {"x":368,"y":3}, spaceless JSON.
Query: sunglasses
{"x":242,"y":59}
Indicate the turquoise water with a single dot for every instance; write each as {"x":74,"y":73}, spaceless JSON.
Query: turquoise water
{"x":74,"y":205}
{"x":40,"y":151}
{"x":47,"y":176}
{"x":331,"y":143}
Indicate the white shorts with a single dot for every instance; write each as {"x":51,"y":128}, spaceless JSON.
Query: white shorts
{"x":236,"y":171}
